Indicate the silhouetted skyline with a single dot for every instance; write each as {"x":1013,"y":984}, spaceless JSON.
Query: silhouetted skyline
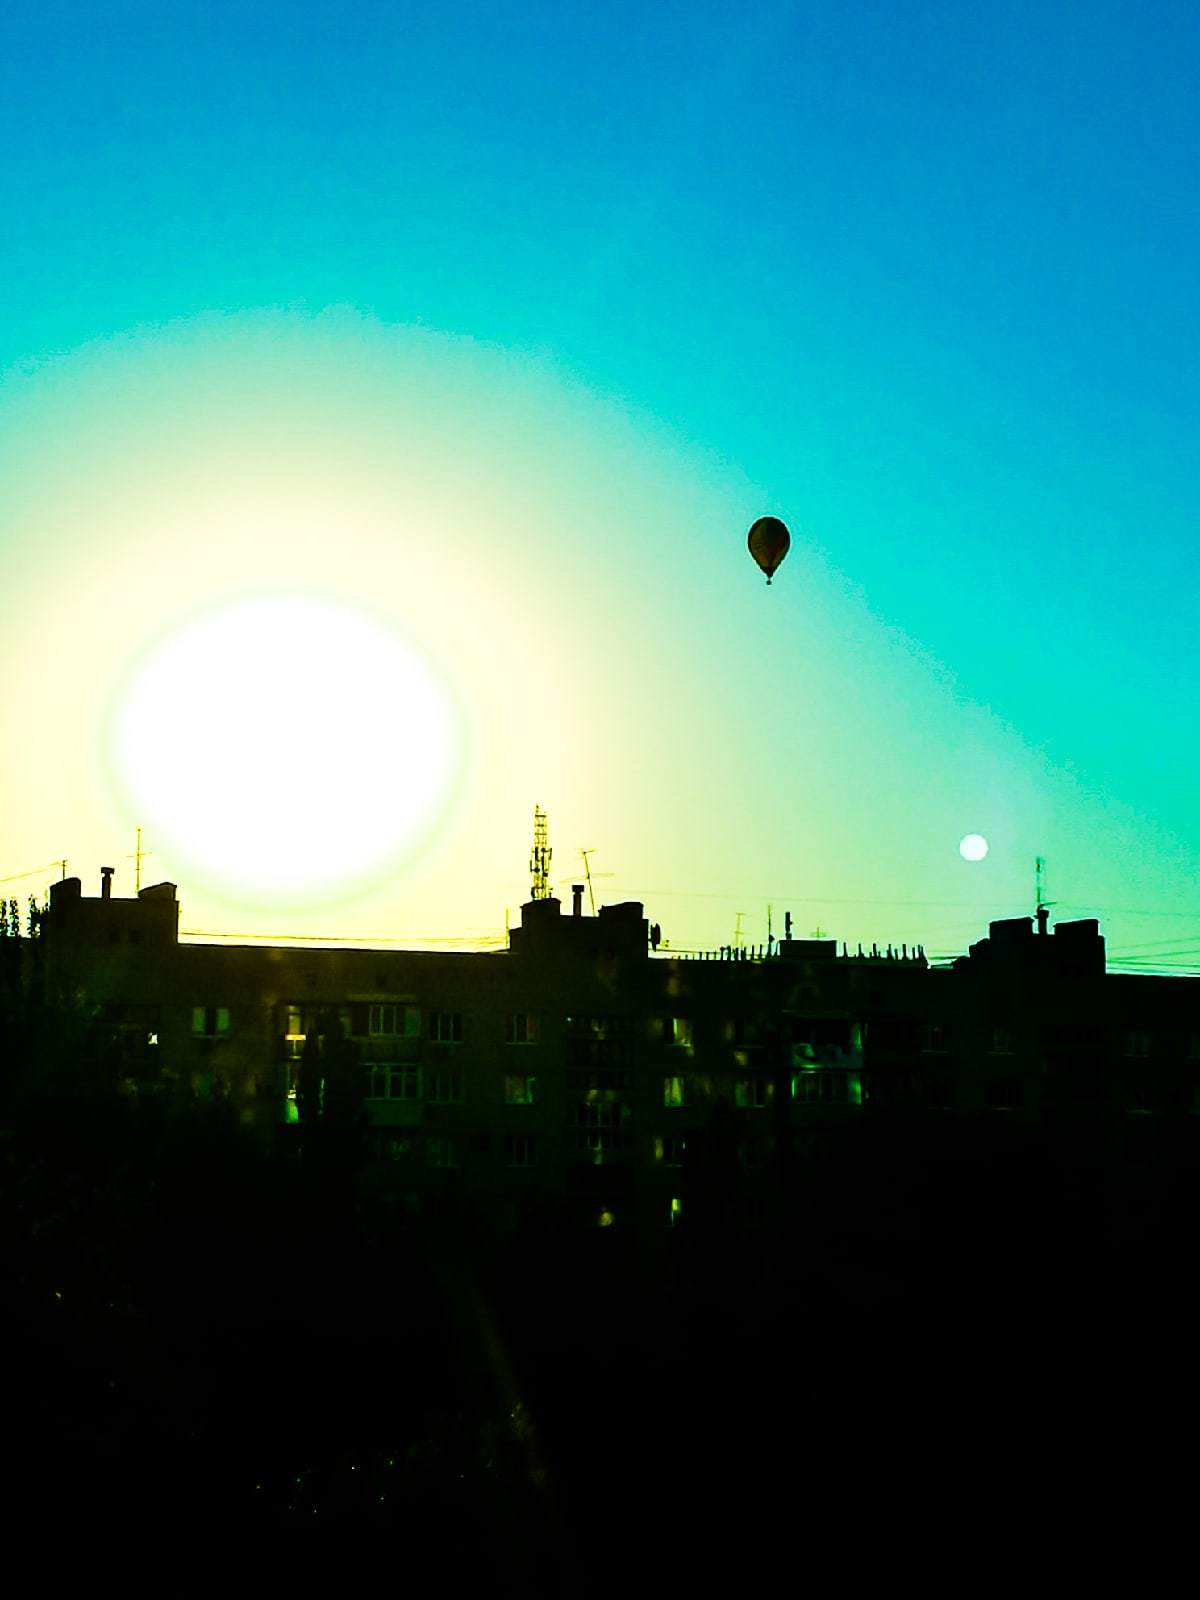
{"x":498,"y":352}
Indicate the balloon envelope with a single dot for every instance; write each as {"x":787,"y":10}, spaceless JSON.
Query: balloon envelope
{"x":769,"y":542}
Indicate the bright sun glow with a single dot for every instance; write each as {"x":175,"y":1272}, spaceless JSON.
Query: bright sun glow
{"x":973,"y":848}
{"x":286,"y":748}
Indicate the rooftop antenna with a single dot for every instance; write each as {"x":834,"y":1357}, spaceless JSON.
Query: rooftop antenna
{"x":136,"y":858}
{"x":1043,"y":905}
{"x":737,"y":930}
{"x":588,"y":876}
{"x":587,"y":873}
{"x":539,"y":859}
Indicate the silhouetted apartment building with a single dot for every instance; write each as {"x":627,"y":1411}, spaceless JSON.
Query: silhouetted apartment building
{"x":584,"y":1072}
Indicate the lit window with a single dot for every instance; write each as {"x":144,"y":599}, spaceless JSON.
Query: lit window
{"x":520,"y":1089}
{"x":681,"y":1031}
{"x":522,"y":1028}
{"x":675,"y":1091}
{"x":446,"y":1026}
{"x":210,"y":1021}
{"x":674,"y":1211}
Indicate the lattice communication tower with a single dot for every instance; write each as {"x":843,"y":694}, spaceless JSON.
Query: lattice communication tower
{"x":539,"y":859}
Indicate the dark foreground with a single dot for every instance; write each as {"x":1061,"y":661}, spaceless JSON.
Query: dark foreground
{"x":199,"y":1337}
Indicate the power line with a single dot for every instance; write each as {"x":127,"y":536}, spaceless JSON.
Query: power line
{"x":1190,"y":946}
{"x":366,"y":939}
{"x":33,"y":871}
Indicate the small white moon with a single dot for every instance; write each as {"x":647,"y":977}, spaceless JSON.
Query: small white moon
{"x":973,"y":848}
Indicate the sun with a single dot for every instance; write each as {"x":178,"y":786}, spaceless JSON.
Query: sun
{"x":973,"y":847}
{"x":285,"y":749}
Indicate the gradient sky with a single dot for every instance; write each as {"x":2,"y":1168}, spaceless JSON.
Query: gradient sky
{"x":502,"y":322}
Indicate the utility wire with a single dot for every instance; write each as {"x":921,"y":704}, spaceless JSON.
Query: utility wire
{"x":405,"y":941}
{"x":33,"y":871}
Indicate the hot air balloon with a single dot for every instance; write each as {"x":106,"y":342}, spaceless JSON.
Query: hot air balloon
{"x":769,"y":542}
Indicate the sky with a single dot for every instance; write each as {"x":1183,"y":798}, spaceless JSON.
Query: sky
{"x":448,"y":354}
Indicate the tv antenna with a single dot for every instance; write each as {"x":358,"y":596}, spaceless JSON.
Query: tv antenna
{"x":138,"y":856}
{"x":588,"y":875}
{"x":1043,"y":905}
{"x":539,"y":857}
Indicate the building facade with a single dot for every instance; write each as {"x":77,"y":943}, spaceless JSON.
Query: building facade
{"x":583,"y":1073}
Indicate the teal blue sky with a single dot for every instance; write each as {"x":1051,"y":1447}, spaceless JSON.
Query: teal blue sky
{"x":921,"y":278}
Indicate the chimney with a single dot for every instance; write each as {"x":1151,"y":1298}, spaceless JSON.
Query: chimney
{"x":576,"y":899}
{"x":1043,"y":918}
{"x":106,"y":874}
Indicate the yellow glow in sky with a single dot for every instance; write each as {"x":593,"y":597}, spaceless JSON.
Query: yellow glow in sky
{"x":325,"y":607}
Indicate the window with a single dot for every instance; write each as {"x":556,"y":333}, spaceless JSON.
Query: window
{"x":443,"y":1086}
{"x":827,"y":1088}
{"x":446,"y":1026}
{"x":1002,"y":1041}
{"x":600,"y":1080}
{"x":679,"y":1031}
{"x":675,"y":1091}
{"x":520,"y":1150}
{"x":386,"y":1080}
{"x":1139,"y":1093}
{"x":674,"y":1211}
{"x":522,"y":1028}
{"x":1003,"y":1094}
{"x":1135,"y":1042}
{"x":1193,"y":1046}
{"x":210,"y":1021}
{"x":753,"y":1092}
{"x":935,"y":1039}
{"x":669,"y":1149}
{"x":520,"y":1089}
{"x":393,"y":1021}
{"x":395,"y":1146}
{"x":609,"y":1042}
{"x":597,"y":1127}
{"x":441,"y":1152}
